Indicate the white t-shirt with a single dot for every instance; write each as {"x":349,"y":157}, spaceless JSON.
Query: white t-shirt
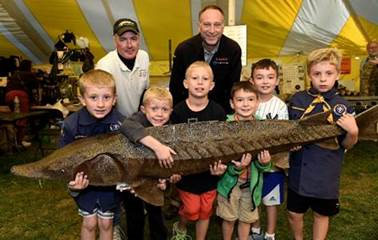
{"x":275,"y":108}
{"x":130,"y":84}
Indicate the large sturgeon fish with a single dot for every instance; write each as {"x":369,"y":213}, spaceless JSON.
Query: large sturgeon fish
{"x":111,"y":158}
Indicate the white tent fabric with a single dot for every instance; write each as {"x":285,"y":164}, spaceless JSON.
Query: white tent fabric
{"x":275,"y":28}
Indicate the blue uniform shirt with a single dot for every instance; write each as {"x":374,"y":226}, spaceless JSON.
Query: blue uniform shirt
{"x":315,"y":171}
{"x":82,"y":124}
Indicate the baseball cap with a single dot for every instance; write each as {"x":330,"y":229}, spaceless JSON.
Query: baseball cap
{"x":123,"y":25}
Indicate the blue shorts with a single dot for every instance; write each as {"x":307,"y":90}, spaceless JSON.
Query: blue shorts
{"x":100,"y":201}
{"x":273,"y":188}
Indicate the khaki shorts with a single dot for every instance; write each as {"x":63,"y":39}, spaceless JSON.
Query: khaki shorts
{"x":238,"y":207}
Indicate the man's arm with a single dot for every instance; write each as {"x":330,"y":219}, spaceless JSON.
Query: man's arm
{"x":236,"y":66}
{"x":176,"y":86}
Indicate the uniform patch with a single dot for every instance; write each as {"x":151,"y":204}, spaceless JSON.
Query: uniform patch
{"x":142,"y":73}
{"x":114,"y":127}
{"x":339,"y":109}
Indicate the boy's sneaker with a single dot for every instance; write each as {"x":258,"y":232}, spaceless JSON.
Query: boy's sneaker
{"x":179,"y":234}
{"x":256,"y":236}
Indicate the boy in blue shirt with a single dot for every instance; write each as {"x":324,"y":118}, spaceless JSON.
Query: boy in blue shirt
{"x":314,"y":172}
{"x":96,"y":204}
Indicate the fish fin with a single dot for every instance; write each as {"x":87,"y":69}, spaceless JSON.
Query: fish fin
{"x":315,"y":119}
{"x":148,"y":191}
{"x":331,"y":144}
{"x":102,"y":170}
{"x":367,"y":122}
{"x":280,"y":160}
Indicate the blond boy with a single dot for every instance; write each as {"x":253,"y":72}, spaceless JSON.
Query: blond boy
{"x":314,"y":172}
{"x":96,"y":204}
{"x":197,"y":192}
{"x":155,"y":111}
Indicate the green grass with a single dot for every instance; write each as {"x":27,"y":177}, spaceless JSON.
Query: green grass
{"x":39,"y":210}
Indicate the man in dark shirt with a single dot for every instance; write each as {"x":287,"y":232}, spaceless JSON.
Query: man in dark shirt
{"x":222,"y":53}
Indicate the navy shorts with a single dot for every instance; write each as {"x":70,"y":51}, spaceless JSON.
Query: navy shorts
{"x":98,"y":200}
{"x":300,"y":204}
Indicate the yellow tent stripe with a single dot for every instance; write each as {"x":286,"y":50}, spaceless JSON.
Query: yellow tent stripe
{"x":60,"y":15}
{"x":162,"y":20}
{"x":350,"y":39}
{"x":257,"y":14}
{"x":7,"y":48}
{"x":370,"y":28}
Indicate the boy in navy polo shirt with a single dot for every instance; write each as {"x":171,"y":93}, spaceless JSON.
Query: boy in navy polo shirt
{"x":96,"y":204}
{"x":314,"y":171}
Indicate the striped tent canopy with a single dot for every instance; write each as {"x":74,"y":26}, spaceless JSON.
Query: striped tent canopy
{"x":30,"y":28}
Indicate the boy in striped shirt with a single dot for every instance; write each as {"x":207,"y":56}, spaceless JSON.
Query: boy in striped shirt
{"x":264,"y":76}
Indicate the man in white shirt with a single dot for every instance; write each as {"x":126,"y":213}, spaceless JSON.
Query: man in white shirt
{"x":128,"y":64}
{"x":129,"y":67}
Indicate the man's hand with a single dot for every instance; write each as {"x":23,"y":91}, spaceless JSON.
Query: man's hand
{"x":79,"y":183}
{"x":374,"y":60}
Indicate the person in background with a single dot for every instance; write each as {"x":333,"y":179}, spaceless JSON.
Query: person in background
{"x":20,"y":89}
{"x":220,"y":52}
{"x":96,"y":204}
{"x":128,"y":64}
{"x":264,"y":76}
{"x":314,"y":173}
{"x":197,"y":192}
{"x":239,"y":189}
{"x":369,"y":71}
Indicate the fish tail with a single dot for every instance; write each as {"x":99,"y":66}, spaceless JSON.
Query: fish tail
{"x":367,"y":122}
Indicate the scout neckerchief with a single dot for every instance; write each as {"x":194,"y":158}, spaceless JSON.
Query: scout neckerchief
{"x":320,"y":99}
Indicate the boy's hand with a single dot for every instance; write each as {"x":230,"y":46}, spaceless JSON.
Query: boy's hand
{"x":174,"y":178}
{"x":81,"y":182}
{"x":348,"y":123}
{"x":245,"y":161}
{"x":162,"y":185}
{"x":264,"y":157}
{"x":295,"y":148}
{"x":125,"y":187}
{"x":218,"y":168}
{"x":164,"y":155}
